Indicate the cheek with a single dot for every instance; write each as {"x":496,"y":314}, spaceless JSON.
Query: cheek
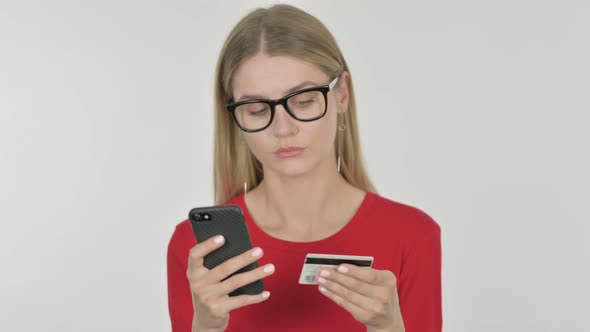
{"x":322,"y":133}
{"x":331,"y":121}
{"x":257,"y":143}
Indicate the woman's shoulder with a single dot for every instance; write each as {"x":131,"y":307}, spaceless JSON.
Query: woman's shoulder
{"x":182,"y":240}
{"x":401,"y":216}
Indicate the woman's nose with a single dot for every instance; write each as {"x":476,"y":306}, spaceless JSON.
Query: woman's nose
{"x":283,"y":124}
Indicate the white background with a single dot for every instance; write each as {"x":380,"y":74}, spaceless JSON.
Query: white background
{"x":476,"y":112}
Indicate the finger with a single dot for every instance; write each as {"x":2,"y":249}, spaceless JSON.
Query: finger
{"x":200,"y":250}
{"x":368,"y":275}
{"x":357,"y":312}
{"x":235,"y":302}
{"x":227,"y":268}
{"x":354,"y":284}
{"x":242,"y":279}
{"x":365,"y":298}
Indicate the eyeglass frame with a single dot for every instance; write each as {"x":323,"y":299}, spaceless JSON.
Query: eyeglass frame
{"x":324,"y":89}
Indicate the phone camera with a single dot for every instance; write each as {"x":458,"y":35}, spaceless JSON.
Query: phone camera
{"x":201,"y":217}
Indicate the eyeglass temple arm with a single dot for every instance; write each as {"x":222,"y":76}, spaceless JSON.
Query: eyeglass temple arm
{"x":333,"y":83}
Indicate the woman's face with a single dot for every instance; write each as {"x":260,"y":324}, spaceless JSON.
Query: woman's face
{"x":267,"y":77}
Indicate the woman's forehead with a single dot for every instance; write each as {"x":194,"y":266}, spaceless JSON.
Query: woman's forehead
{"x":272,"y":77}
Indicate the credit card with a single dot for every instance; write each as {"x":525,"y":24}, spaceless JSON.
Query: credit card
{"x":314,"y":262}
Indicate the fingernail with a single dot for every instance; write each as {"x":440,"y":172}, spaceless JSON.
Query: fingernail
{"x":265,"y":294}
{"x":269,"y":268}
{"x":322,"y":289}
{"x":218,"y":239}
{"x":342,"y":269}
{"x":321,"y":280}
{"x":257,"y":252}
{"x":325,"y":273}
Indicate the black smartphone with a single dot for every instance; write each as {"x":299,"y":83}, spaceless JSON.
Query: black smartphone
{"x":226,"y":220}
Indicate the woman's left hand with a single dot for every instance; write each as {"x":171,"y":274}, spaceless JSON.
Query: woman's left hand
{"x":369,"y":295}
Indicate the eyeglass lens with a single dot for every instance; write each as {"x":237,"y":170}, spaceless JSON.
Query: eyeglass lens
{"x":304,"y":106}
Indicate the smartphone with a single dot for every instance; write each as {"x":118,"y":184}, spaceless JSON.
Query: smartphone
{"x":226,"y":220}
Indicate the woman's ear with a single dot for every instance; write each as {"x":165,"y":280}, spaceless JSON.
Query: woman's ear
{"x":342,"y":94}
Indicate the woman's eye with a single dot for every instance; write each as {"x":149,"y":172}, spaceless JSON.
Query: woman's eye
{"x":305,"y":102}
{"x":259,"y":112}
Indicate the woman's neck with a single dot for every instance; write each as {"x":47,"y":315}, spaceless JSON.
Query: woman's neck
{"x":303,"y":208}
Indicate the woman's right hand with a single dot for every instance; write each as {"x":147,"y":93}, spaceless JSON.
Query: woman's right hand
{"x":211,"y":301}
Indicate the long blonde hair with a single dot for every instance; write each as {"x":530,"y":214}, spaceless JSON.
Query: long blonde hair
{"x":282,"y":30}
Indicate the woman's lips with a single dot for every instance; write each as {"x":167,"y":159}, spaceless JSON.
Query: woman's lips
{"x":288,"y":152}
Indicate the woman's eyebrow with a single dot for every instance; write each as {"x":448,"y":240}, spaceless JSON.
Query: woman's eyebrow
{"x":299,"y":86}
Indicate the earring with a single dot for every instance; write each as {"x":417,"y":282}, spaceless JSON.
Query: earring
{"x":246,"y":180}
{"x":341,"y":127}
{"x":341,"y":124}
{"x":243,"y":143}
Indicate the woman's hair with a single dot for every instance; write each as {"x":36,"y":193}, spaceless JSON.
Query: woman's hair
{"x":278,"y":30}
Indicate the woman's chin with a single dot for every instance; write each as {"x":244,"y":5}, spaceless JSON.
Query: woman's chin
{"x":291,"y":169}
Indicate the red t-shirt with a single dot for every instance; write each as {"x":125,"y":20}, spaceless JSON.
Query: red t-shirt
{"x":402,"y":239}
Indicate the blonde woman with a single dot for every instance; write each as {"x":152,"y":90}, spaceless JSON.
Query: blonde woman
{"x":287,"y":152}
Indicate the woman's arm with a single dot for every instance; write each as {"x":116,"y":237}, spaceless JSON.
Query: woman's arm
{"x":180,"y":303}
{"x":419,"y":285}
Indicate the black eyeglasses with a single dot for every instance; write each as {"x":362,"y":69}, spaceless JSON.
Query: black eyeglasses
{"x":304,"y":105}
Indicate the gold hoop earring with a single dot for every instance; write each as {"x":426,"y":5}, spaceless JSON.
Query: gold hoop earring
{"x":338,"y":163}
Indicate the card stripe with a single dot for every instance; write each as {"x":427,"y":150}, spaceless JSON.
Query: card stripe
{"x":335,"y":261}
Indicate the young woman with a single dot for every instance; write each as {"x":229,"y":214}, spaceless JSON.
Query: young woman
{"x":287,"y":152}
